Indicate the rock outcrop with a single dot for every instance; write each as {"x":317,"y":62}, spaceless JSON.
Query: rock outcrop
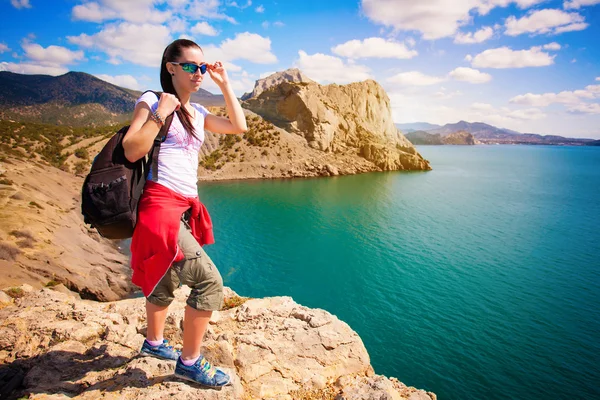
{"x":43,"y":240}
{"x":289,"y":75}
{"x":460,"y":138}
{"x":54,"y":346}
{"x":455,"y":138}
{"x":339,"y":119}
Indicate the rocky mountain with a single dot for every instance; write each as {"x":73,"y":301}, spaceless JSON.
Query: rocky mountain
{"x":72,"y":99}
{"x":424,"y":138}
{"x":460,"y":138}
{"x":289,"y":75}
{"x":489,"y":134}
{"x":340,"y":119}
{"x":456,"y":138}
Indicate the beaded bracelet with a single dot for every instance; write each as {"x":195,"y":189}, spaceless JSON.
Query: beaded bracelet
{"x":157,"y":118}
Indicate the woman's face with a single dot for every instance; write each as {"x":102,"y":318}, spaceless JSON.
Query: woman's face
{"x":183,"y":80}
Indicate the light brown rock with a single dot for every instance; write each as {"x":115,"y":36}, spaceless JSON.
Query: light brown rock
{"x":273,"y":348}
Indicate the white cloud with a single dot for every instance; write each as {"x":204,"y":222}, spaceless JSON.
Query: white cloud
{"x":470,"y":75}
{"x":443,"y":94}
{"x":545,"y":21}
{"x":411,"y":42}
{"x":598,"y":78}
{"x":51,"y":55}
{"x":579,"y":3}
{"x":126,"y":81}
{"x":552,"y":46}
{"x":373,"y":47}
{"x":4,"y":48}
{"x":278,"y":24}
{"x":504,"y":57}
{"x":327,"y":69}
{"x":27,"y":68}
{"x":527,"y":114}
{"x":177,"y":24}
{"x":478,"y":37}
{"x":572,"y":27}
{"x":20,"y":3}
{"x":564,"y":97}
{"x":203,"y":28}
{"x":585,"y":108}
{"x":138,"y":11}
{"x":415,"y":78}
{"x":265,"y":24}
{"x":433,"y":18}
{"x":482,"y":107}
{"x":204,"y":9}
{"x":260,"y":9}
{"x":248,"y":46}
{"x":138,"y":44}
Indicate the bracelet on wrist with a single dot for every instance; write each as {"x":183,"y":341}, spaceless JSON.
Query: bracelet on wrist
{"x":157,"y":118}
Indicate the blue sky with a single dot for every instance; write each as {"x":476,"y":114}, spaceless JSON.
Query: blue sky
{"x":528,"y":65}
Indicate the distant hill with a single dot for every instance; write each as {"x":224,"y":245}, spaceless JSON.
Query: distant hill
{"x":416,"y":126}
{"x":425,"y":138}
{"x":489,"y":134}
{"x":74,"y":99}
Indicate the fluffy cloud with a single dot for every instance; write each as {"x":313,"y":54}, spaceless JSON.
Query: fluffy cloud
{"x":327,"y":69}
{"x":433,"y":18}
{"x":480,"y":36}
{"x":373,"y":47}
{"x":248,"y":46}
{"x":415,"y":78}
{"x":203,"y":28}
{"x":139,"y":11}
{"x":598,"y":78}
{"x":4,"y":48}
{"x":552,"y":46}
{"x":51,"y":55}
{"x":126,"y":81}
{"x":545,"y":21}
{"x":564,"y":97}
{"x":470,"y":75}
{"x":28,"y":68}
{"x":482,"y":107}
{"x":20,"y":3}
{"x":204,"y":9}
{"x":260,"y":9}
{"x":139,"y":44}
{"x":504,"y":57}
{"x":579,"y":3}
{"x":527,"y":114}
{"x":585,"y":108}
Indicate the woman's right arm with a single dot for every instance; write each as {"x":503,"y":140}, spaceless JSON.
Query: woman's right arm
{"x":141,"y":133}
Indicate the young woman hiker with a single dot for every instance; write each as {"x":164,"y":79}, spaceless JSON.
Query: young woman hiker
{"x":172,"y":224}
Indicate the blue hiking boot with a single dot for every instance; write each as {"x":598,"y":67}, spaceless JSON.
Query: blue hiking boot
{"x":162,"y":351}
{"x":202,"y":373}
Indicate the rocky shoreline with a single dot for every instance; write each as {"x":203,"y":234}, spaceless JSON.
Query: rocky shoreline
{"x":56,"y":346}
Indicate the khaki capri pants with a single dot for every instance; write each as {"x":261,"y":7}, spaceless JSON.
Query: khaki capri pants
{"x":197,"y":271}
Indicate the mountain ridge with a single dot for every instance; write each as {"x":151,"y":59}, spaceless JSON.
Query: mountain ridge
{"x":74,"y":98}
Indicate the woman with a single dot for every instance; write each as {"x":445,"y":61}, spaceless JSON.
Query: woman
{"x":166,"y":248}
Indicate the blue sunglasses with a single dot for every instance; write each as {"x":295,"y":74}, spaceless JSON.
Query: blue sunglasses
{"x":191,"y":67}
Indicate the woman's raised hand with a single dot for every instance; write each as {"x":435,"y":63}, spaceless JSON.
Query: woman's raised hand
{"x":218,"y":74}
{"x":167,"y":104}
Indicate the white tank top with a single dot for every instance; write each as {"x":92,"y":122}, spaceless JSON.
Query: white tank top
{"x":178,"y":157}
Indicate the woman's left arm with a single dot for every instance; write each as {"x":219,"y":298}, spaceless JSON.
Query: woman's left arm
{"x":236,"y":123}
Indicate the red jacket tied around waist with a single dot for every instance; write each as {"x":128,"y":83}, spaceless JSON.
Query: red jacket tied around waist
{"x":154,"y":244}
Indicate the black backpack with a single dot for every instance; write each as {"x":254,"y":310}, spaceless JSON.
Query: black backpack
{"x":112,"y":189}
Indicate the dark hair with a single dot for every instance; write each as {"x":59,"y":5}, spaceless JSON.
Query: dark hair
{"x":172,"y":53}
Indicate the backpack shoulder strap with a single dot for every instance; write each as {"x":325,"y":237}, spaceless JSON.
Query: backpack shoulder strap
{"x":161,"y":137}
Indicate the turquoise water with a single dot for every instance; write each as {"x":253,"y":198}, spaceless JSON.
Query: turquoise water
{"x":477,"y":280}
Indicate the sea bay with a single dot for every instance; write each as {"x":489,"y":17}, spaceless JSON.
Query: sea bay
{"x":479,"y":279}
